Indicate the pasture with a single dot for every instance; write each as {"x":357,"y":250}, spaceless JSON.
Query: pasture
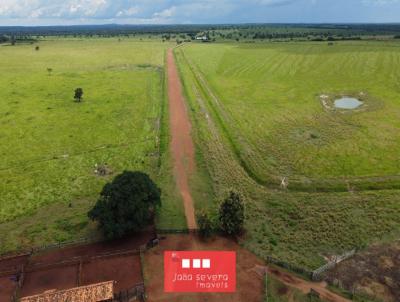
{"x":51,"y":144}
{"x":300,"y":228}
{"x":268,"y":97}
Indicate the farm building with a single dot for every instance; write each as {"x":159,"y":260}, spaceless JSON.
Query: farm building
{"x":202,"y":38}
{"x":100,"y":292}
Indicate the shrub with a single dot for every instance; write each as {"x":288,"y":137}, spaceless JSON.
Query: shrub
{"x":205,"y":224}
{"x":78,"y":94}
{"x":231,"y":214}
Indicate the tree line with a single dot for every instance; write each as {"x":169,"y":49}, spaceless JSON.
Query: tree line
{"x":128,"y":204}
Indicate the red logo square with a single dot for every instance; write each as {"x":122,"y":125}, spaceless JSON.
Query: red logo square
{"x":202,"y":271}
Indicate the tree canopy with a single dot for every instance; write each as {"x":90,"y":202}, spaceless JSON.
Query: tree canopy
{"x":78,"y":94}
{"x":231,"y":214}
{"x":126,"y":204}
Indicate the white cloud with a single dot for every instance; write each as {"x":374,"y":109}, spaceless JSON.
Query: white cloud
{"x":380,"y":2}
{"x":122,"y":8}
{"x":132,"y":11}
{"x":166,"y":13}
{"x":177,"y":11}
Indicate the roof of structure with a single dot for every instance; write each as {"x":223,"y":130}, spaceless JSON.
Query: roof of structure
{"x":90,"y":293}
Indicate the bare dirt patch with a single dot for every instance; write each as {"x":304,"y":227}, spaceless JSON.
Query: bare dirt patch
{"x":7,"y":287}
{"x":127,"y":270}
{"x":13,"y":263}
{"x":89,"y":250}
{"x":182,"y":148}
{"x":57,"y":278}
{"x":250,"y":285}
{"x":250,"y":273}
{"x":374,"y":272}
{"x":305,"y":286}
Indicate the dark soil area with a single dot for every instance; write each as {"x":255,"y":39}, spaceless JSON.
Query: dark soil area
{"x":126,"y":271}
{"x":56,"y":278}
{"x":7,"y":287}
{"x":374,"y":272}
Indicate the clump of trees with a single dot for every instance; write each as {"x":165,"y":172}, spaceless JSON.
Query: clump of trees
{"x":78,"y":94}
{"x":126,"y":205}
{"x":4,"y":39}
{"x":230,"y":218}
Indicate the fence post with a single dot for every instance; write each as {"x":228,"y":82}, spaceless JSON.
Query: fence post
{"x":80,"y":272}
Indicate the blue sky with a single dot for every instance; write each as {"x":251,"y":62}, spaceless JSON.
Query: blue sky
{"x":55,"y":12}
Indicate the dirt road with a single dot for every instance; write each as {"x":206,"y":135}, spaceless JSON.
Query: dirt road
{"x":305,"y":286}
{"x":182,"y":148}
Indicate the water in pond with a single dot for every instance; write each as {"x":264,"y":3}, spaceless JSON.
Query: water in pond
{"x":348,"y":103}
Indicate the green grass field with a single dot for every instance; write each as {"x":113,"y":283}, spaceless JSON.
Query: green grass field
{"x":249,"y":106}
{"x":300,"y":228}
{"x":51,"y":144}
{"x":268,"y":98}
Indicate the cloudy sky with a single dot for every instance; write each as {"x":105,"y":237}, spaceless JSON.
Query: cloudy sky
{"x":54,"y":12}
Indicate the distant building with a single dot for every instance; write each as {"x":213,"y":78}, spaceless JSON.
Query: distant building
{"x":100,"y":292}
{"x":202,"y":38}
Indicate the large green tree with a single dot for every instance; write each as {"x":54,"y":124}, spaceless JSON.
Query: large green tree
{"x":231,"y":214}
{"x":126,"y":204}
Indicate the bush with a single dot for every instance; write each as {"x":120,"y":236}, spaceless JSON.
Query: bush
{"x":231,"y":214}
{"x":205,"y":224}
{"x":78,"y":94}
{"x":126,"y":204}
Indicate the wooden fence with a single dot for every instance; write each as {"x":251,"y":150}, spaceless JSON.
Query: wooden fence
{"x":46,"y":247}
{"x":21,"y":276}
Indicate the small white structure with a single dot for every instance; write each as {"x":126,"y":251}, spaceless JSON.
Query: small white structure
{"x":284,"y":183}
{"x":202,"y":38}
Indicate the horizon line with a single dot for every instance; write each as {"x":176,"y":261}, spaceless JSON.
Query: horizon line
{"x":210,"y":24}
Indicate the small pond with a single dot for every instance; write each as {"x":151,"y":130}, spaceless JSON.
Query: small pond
{"x":348,"y":103}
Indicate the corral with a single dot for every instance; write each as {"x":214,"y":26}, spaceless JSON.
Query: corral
{"x":70,"y":267}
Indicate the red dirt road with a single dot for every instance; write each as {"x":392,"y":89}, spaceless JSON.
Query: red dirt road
{"x":182,"y":148}
{"x":305,"y":286}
